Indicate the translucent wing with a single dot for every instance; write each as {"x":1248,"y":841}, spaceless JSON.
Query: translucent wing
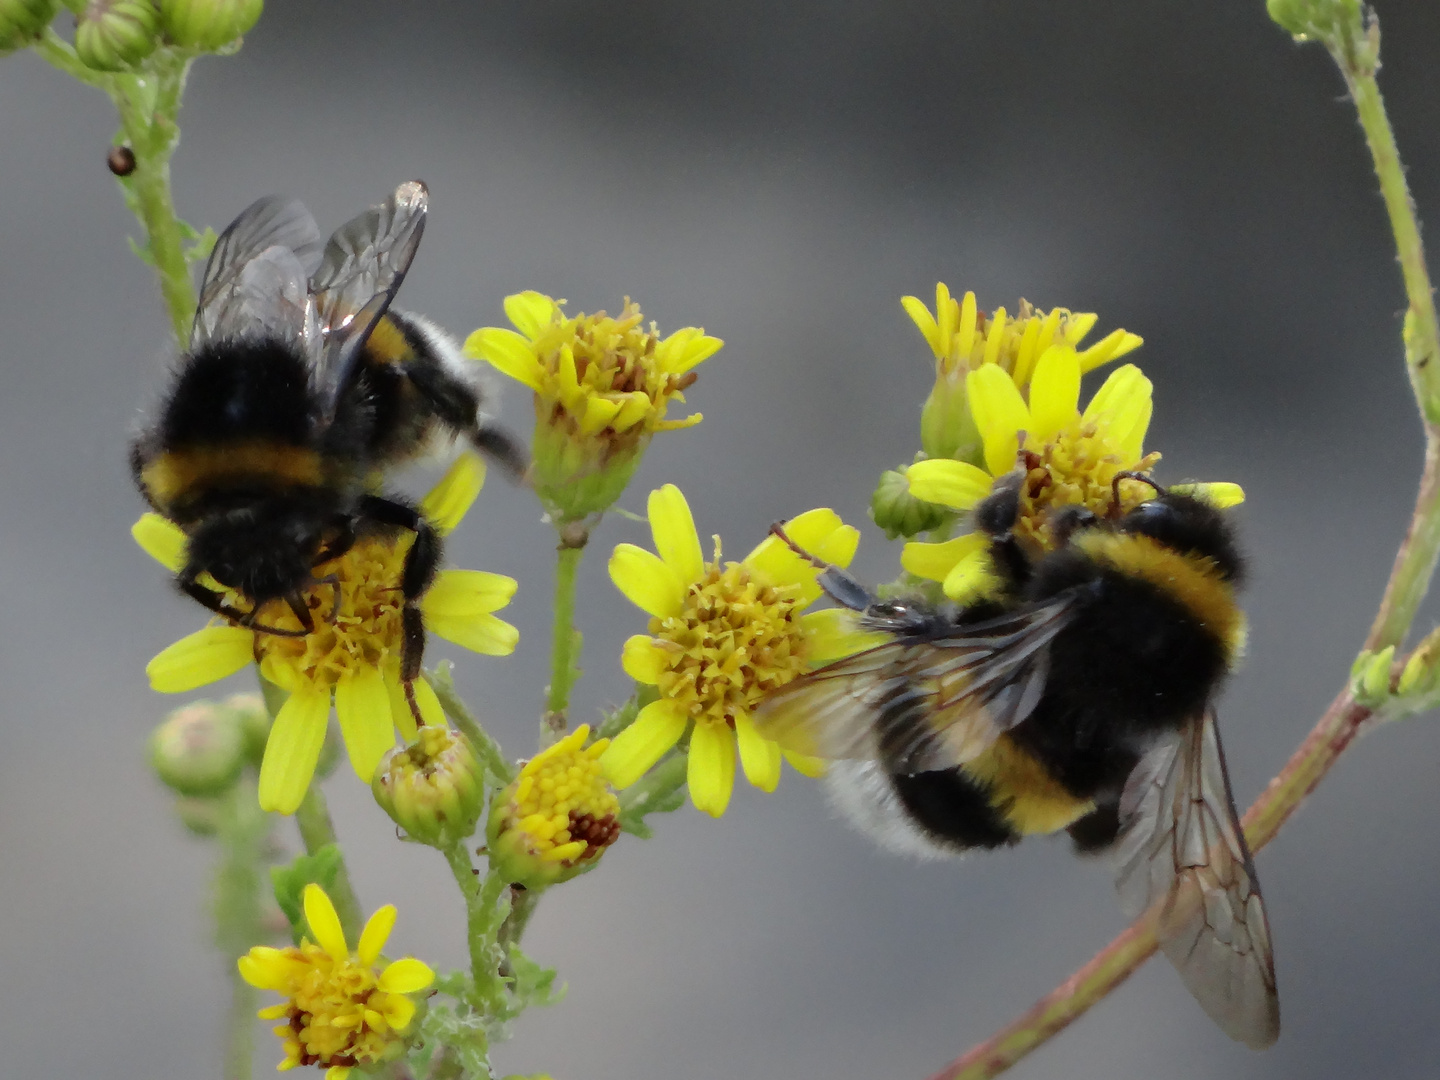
{"x":255,"y":282}
{"x":918,"y":705}
{"x":1180,"y":842}
{"x":360,"y":272}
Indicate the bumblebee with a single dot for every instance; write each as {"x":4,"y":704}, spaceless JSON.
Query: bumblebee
{"x":1076,"y":696}
{"x":300,"y":388}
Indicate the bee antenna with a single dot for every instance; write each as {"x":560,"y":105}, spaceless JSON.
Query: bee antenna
{"x":1129,"y":474}
{"x":778,"y":529}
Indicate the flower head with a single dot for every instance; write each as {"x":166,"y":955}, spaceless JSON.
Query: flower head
{"x":721,"y":636}
{"x":602,"y":388}
{"x":557,"y":817}
{"x":433,"y":788}
{"x":964,"y":339}
{"x":1070,"y":457}
{"x":353,"y":653}
{"x":340,"y":1010}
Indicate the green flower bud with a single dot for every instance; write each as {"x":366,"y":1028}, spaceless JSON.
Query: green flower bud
{"x":947,"y":430}
{"x":433,"y":788}
{"x":200,"y":816}
{"x":899,"y":513}
{"x":115,"y":35}
{"x":250,"y":713}
{"x":1314,"y":18}
{"x":198,"y":750}
{"x":207,"y":25}
{"x":1370,"y":676}
{"x":22,"y":21}
{"x":555,"y":819}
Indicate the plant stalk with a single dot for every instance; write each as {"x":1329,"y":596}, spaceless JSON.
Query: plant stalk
{"x":564,"y":642}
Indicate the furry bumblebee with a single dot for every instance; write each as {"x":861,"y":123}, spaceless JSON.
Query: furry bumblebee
{"x":300,"y":389}
{"x":1076,"y":696}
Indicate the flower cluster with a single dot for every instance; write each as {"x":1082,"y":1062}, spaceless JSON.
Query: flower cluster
{"x":353,"y":653}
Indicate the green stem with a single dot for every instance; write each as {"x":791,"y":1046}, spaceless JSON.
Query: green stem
{"x":485,"y":913}
{"x":56,"y":52}
{"x":1356,"y":50}
{"x":244,"y":830}
{"x":564,"y":641}
{"x":522,"y":906}
{"x":491,"y":756}
{"x":317,"y":830}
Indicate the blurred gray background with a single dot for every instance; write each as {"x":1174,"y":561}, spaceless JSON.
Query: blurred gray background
{"x":781,"y":175}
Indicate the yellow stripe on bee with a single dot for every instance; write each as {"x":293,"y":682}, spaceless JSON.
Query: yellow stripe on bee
{"x":177,"y":473}
{"x":1021,"y":790}
{"x":387,"y":344}
{"x":1192,"y":580}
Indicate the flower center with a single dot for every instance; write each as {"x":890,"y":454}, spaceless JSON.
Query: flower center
{"x":735,"y":640}
{"x":357,"y":617}
{"x":563,"y":804}
{"x":1077,"y":468}
{"x":335,"y":1015}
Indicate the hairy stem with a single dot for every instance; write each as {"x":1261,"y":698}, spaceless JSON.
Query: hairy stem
{"x":485,"y":913}
{"x":564,"y":641}
{"x":488,"y":749}
{"x":317,"y":830}
{"x":243,"y":832}
{"x":1356,"y":50}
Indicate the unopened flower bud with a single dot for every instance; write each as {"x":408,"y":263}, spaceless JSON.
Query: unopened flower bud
{"x":946,"y":427}
{"x":433,"y":788}
{"x":198,"y":750}
{"x":200,"y":816}
{"x":250,"y":713}
{"x":1306,"y":18}
{"x":557,"y":817}
{"x":207,"y":25}
{"x":899,"y":513}
{"x":22,"y":21}
{"x":115,"y":35}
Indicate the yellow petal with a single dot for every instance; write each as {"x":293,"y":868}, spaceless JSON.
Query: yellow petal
{"x":644,"y":659}
{"x":636,"y":406}
{"x":805,"y":765}
{"x":933,"y":562}
{"x":994,"y":337}
{"x":673,"y":527}
{"x":1000,"y":414}
{"x":759,"y":757}
{"x":1026,"y":352}
{"x":599,"y":411}
{"x":832,"y":633}
{"x":162,"y":540}
{"x":711,"y":770}
{"x":1218,"y":493}
{"x":202,"y":657}
{"x":376,"y":933}
{"x":1048,"y":329}
{"x":972,"y":578}
{"x":1078,"y":325}
{"x":956,"y":484}
{"x":647,"y":581}
{"x":965,"y":333}
{"x":400,"y":713}
{"x":431,"y":711}
{"x":685,"y":348}
{"x":406,"y":976}
{"x":656,"y":729}
{"x":453,"y":495}
{"x":921,"y":317}
{"x":530,"y":312}
{"x":1124,"y":391}
{"x":334,"y":1072}
{"x":819,"y":532}
{"x":324,"y":923}
{"x":399,"y":1011}
{"x":1111,"y":347}
{"x":293,"y":749}
{"x":947,"y":315}
{"x":488,"y":635}
{"x":362,"y":705}
{"x":1054,"y":393}
{"x":507,"y":352}
{"x":467,"y":592}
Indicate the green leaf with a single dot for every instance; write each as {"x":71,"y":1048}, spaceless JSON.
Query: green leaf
{"x":534,"y":984}
{"x":289,"y":882}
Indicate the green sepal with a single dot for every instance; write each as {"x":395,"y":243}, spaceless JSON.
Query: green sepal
{"x":322,"y":868}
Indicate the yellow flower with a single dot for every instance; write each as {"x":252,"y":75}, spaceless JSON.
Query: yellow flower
{"x":721,"y":636}
{"x":354,"y":651}
{"x":602,"y":387}
{"x":964,"y":339}
{"x":339,"y":1010}
{"x":1071,"y":458}
{"x":557,"y":817}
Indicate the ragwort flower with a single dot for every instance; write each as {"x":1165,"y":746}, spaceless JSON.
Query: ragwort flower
{"x":964,"y":339}
{"x":721,"y":636}
{"x":354,"y":650}
{"x":1071,"y":458}
{"x":602,"y":388}
{"x":339,"y":1011}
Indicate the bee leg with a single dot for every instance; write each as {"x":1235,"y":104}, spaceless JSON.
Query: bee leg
{"x":838,"y":585}
{"x":503,"y":448}
{"x":1069,"y":520}
{"x":301,"y":610}
{"x":344,"y":540}
{"x":457,"y":407}
{"x":215,"y":602}
{"x":1097,"y":830}
{"x":1129,"y":474}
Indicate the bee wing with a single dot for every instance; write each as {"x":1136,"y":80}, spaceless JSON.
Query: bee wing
{"x":916,"y":706}
{"x":1180,"y":841}
{"x":360,"y":272}
{"x":255,"y":281}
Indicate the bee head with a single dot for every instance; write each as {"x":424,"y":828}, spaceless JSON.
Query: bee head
{"x":261,"y":552}
{"x":1186,"y":524}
